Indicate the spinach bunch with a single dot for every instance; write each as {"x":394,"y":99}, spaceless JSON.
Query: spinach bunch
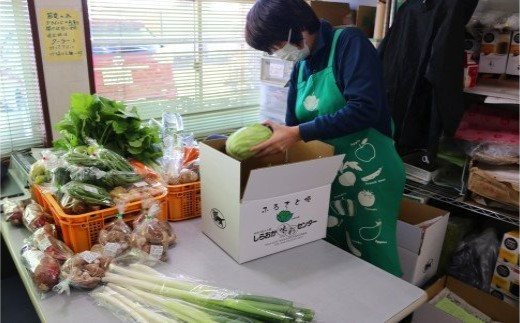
{"x":112,"y":124}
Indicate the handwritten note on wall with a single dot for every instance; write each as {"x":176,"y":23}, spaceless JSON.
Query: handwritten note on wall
{"x":62,"y":34}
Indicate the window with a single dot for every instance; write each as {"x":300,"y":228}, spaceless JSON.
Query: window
{"x":185,"y":56}
{"x":21,"y":119}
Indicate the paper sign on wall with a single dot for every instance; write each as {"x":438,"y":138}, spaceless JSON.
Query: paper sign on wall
{"x":62,"y":34}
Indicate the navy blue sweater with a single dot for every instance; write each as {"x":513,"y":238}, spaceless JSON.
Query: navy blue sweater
{"x":359,"y":76}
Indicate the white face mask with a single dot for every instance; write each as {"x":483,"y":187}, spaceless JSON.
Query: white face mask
{"x":289,"y":52}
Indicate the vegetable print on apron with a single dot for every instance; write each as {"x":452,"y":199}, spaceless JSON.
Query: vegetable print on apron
{"x":366,"y":194}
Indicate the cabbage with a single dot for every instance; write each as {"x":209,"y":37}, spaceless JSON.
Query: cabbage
{"x":238,"y":145}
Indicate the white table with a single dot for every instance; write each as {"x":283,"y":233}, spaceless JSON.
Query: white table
{"x":318,"y":275}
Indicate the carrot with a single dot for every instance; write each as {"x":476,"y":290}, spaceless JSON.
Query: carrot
{"x":144,"y":170}
{"x":190,"y":154}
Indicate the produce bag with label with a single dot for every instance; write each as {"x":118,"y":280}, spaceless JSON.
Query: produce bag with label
{"x":83,"y":271}
{"x":106,"y":179}
{"x":87,"y":193}
{"x":150,"y":234}
{"x":115,"y":237}
{"x":181,"y":298}
{"x":44,"y":270}
{"x":44,"y":239}
{"x":34,"y":217}
{"x":137,"y":191}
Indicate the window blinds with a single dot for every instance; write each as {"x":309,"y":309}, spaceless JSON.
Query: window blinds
{"x":21,"y":119}
{"x":185,"y":56}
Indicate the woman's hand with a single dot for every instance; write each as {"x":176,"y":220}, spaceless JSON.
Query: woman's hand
{"x":283,"y":137}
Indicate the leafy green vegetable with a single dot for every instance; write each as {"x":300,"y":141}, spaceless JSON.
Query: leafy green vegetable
{"x":112,"y":124}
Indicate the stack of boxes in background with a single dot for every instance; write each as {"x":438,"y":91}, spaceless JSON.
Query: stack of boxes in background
{"x":494,"y":51}
{"x":499,"y":53}
{"x":513,"y":61}
{"x":274,"y":76}
{"x":504,"y":284}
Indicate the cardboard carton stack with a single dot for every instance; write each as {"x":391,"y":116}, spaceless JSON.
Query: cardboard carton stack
{"x":504,"y":284}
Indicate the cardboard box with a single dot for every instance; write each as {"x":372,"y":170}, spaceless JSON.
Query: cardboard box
{"x":494,"y":51}
{"x":365,"y":19}
{"x":505,"y":279}
{"x":500,"y":295}
{"x":337,"y":13}
{"x":420,"y":234}
{"x":513,"y":60}
{"x":258,"y":207}
{"x":496,"y":182}
{"x":509,"y":251}
{"x":487,"y":304}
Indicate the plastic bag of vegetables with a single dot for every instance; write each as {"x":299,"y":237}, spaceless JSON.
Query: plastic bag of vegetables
{"x":152,"y":235}
{"x":106,"y":179}
{"x":44,"y":239}
{"x":87,"y":193}
{"x":44,"y":270}
{"x":115,"y":237}
{"x":34,"y":217}
{"x":13,"y":210}
{"x":83,"y":271}
{"x":137,"y":191}
{"x":71,"y":205}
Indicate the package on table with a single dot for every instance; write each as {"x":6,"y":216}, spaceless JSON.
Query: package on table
{"x":261,"y":206}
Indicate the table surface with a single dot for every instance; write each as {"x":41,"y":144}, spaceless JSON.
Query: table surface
{"x":318,"y":275}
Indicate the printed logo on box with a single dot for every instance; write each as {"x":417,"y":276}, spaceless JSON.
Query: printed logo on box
{"x":218,"y":218}
{"x":289,"y":213}
{"x":510,"y":244}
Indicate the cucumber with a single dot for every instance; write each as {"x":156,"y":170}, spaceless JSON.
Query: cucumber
{"x":87,"y":193}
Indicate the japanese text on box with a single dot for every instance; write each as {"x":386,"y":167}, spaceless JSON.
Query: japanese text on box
{"x":62,"y":34}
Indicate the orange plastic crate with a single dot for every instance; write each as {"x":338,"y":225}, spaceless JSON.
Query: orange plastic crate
{"x":37,"y":195}
{"x":81,"y":231}
{"x":183,"y":201}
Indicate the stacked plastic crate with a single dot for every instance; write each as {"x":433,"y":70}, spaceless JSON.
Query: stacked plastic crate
{"x":275,"y":75}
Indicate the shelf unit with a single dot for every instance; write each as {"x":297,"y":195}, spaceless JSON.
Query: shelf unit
{"x":499,"y":89}
{"x":452,"y":197}
{"x":502,"y":89}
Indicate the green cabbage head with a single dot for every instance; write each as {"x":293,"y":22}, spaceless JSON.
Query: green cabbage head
{"x":238,"y":145}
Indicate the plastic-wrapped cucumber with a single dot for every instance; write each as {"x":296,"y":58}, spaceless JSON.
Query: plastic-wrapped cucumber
{"x":87,"y":193}
{"x":105,"y":179}
{"x":114,"y":161}
{"x":81,"y":159}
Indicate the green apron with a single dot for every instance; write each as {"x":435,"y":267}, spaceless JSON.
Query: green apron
{"x":366,"y":194}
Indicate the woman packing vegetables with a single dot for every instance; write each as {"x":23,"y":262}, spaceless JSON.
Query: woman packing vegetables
{"x":336,"y":95}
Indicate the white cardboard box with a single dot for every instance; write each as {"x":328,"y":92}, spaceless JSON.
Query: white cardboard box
{"x":420,"y":234}
{"x":262,"y":206}
{"x":494,"y":51}
{"x":513,"y":61}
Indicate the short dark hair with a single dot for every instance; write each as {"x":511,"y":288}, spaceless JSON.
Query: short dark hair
{"x":269,"y":21}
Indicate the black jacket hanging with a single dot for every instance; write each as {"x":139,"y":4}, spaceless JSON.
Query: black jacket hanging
{"x":423,"y":61}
